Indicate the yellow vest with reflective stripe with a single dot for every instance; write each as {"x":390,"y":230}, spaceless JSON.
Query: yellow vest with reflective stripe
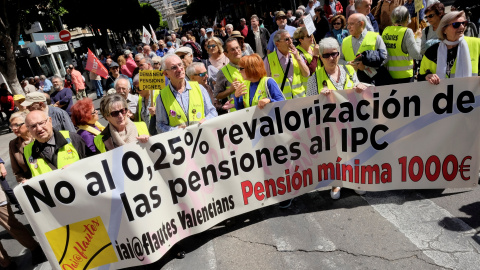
{"x":321,"y":76}
{"x":309,"y":59}
{"x":176,"y":115}
{"x":368,"y":44}
{"x":260,"y":93}
{"x":230,"y":74}
{"x":474,"y":49}
{"x":66,"y":155}
{"x":141,"y":129}
{"x":291,"y":90}
{"x":400,"y":65}
{"x":139,"y":111}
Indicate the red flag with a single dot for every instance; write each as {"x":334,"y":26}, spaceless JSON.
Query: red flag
{"x":94,"y":65}
{"x":224,"y":22}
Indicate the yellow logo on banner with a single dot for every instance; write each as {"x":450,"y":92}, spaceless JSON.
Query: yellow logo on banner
{"x":82,"y":245}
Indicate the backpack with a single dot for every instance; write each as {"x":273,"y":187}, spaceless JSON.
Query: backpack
{"x":197,"y":52}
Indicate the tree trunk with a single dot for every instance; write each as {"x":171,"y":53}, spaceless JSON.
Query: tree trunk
{"x":10,"y":70}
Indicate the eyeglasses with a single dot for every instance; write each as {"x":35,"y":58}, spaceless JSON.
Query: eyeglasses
{"x":351,"y":24}
{"x":116,"y":113}
{"x":457,"y":24}
{"x":175,"y":68}
{"x":39,"y":124}
{"x":212,"y":46}
{"x":240,"y":68}
{"x":429,"y":16}
{"x":337,"y":23}
{"x":328,"y":55}
{"x":201,"y":74}
{"x":287,"y":39}
{"x":156,"y":63}
{"x":15,"y":126}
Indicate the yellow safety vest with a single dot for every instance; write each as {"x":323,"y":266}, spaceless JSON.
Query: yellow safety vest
{"x":368,"y":44}
{"x":295,"y":89}
{"x":321,"y":76}
{"x":260,"y":93}
{"x":230,"y":72}
{"x":309,"y":59}
{"x":140,"y":104}
{"x":474,"y":49}
{"x":400,"y":65}
{"x":176,"y":115}
{"x":66,"y":155}
{"x":141,"y":129}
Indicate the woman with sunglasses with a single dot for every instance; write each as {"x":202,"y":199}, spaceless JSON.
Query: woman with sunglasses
{"x":456,"y":56}
{"x":402,"y":47}
{"x":257,"y":89}
{"x":120,"y":129}
{"x":433,"y":14}
{"x":216,"y":58}
{"x":331,"y":77}
{"x":338,"y":29}
{"x":85,"y":118}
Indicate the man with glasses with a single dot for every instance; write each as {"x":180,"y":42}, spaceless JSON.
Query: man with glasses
{"x":60,"y":118}
{"x":258,"y":37}
{"x":123,"y":86}
{"x":365,"y":51}
{"x":281,"y":20}
{"x":61,"y":97}
{"x":181,"y":103}
{"x":52,"y":149}
{"x":198,"y":73}
{"x":286,"y":66}
{"x":186,"y":54}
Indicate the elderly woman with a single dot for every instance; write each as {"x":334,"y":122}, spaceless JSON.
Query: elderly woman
{"x":402,"y":47}
{"x":120,"y":129}
{"x":338,"y":29}
{"x":17,"y":124}
{"x":85,"y":117}
{"x":433,"y":14}
{"x":456,"y":56}
{"x":308,"y":49}
{"x":257,"y":89}
{"x":333,"y":77}
{"x":246,"y":49}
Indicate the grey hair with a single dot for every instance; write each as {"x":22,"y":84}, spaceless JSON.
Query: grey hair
{"x":358,"y":3}
{"x":184,"y":39}
{"x":302,"y":7}
{"x":279,"y":33}
{"x":362,"y":18}
{"x":140,"y":55}
{"x":446,"y":20}
{"x":42,"y":77}
{"x":229,"y":26}
{"x":298,"y":13}
{"x":149,"y":61}
{"x":58,"y":77}
{"x":328,"y":43}
{"x":108,"y":101}
{"x":164,"y":60}
{"x":21,"y":115}
{"x":122,"y":78}
{"x":400,"y":15}
{"x":191,"y":69}
{"x":136,"y":78}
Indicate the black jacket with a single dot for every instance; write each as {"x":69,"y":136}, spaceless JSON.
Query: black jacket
{"x":264,"y":37}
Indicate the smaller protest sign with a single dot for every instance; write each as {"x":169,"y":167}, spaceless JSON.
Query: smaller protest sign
{"x":151,"y":80}
{"x":309,"y":24}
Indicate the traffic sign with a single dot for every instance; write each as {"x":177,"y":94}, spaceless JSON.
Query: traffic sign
{"x":65,"y":35}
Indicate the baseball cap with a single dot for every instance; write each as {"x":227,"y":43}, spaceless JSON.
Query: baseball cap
{"x":34,"y":97}
{"x":209,"y":30}
{"x":18,"y":97}
{"x":113,"y":64}
{"x":127,"y":52}
{"x":184,"y":49}
{"x":169,"y":44}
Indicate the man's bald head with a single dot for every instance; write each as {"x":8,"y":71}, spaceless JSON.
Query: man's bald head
{"x":39,"y":125}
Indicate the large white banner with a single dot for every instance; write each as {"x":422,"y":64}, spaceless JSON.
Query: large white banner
{"x":128,"y":206}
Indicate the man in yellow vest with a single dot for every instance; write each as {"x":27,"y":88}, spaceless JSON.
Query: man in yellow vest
{"x":223,"y":87}
{"x":286,"y":60}
{"x":51,"y":149}
{"x":146,"y":106}
{"x":181,"y":103}
{"x":365,"y":51}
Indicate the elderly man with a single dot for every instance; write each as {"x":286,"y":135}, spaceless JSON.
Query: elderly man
{"x":198,"y":73}
{"x":176,"y":41}
{"x":258,"y":37}
{"x":181,"y":103}
{"x":138,"y":58}
{"x":122,"y":86}
{"x":45,"y":84}
{"x":78,"y":81}
{"x":365,"y":51}
{"x":286,"y":66}
{"x":162,"y":48}
{"x":61,"y":97}
{"x":146,"y":107}
{"x":27,"y":87}
{"x":186,"y":54}
{"x":281,"y":20}
{"x":60,"y":118}
{"x":145,"y":64}
{"x":223,"y":87}
{"x":52,"y":149}
{"x":203,"y":35}
{"x":147,"y":52}
{"x":364,"y":7}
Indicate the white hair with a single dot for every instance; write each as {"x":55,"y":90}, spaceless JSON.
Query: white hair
{"x":400,"y":15}
{"x":122,"y":78}
{"x":229,"y":26}
{"x":328,"y":43}
{"x":192,"y":68}
{"x":165,"y":58}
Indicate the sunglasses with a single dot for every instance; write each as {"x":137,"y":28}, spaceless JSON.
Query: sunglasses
{"x":457,"y":24}
{"x":211,"y":46}
{"x":337,"y":23}
{"x":287,"y":39}
{"x":116,"y":113}
{"x":430,"y":16}
{"x":156,"y":63}
{"x":328,"y":55}
{"x":201,"y":74}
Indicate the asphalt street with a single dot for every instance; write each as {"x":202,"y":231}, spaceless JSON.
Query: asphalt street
{"x":403,"y":229}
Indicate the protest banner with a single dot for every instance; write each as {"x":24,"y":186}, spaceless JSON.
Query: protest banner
{"x":128,"y":206}
{"x":308,"y":21}
{"x":94,"y":65}
{"x":151,"y":80}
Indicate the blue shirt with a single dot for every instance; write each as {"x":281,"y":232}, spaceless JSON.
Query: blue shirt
{"x":161,"y":53}
{"x":275,"y":93}
{"x":271,"y":45}
{"x":47,"y":86}
{"x":182,"y":99}
{"x":64,"y":97}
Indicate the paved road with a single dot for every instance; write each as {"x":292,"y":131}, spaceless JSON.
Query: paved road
{"x":407,"y":229}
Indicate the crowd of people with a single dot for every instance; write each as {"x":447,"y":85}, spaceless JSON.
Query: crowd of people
{"x":220,"y":70}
